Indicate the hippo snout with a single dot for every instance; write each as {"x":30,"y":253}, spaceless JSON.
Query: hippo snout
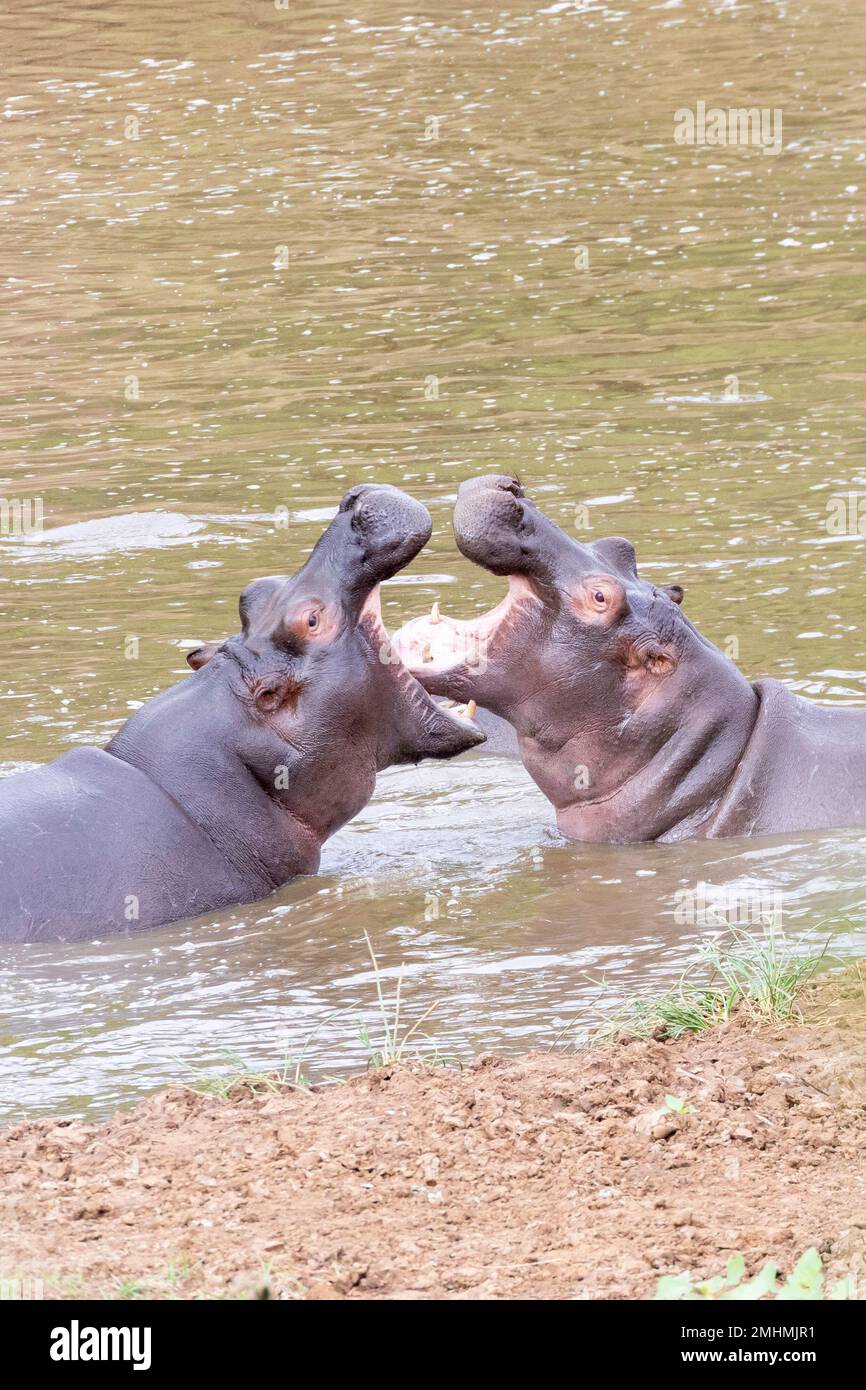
{"x":492,"y":524}
{"x":391,"y":525}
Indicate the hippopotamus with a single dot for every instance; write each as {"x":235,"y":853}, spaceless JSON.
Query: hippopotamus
{"x":633,"y":724}
{"x":224,"y":787}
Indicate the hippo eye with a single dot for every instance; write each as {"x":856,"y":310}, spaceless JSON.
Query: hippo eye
{"x":312,"y":620}
{"x":599,"y":596}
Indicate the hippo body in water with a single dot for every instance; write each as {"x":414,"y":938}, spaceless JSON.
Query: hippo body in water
{"x":224,"y":787}
{"x":633,"y":725}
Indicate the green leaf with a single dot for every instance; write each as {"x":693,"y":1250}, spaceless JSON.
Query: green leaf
{"x":674,"y":1286}
{"x":844,"y":1289}
{"x":736,"y":1269}
{"x":808,"y":1268}
{"x":710,"y":1287}
{"x":806,"y":1279}
{"x":763,"y":1283}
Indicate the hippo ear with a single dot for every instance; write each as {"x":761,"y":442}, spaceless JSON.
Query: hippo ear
{"x":259,"y":603}
{"x":617,"y":552}
{"x":425,"y":730}
{"x":674,"y":591}
{"x":200,"y":656}
{"x":657,"y":659}
{"x":271,"y":693}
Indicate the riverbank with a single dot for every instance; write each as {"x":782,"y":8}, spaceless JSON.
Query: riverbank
{"x":565,"y":1174}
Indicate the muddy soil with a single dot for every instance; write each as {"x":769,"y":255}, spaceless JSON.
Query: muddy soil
{"x":546,"y":1176}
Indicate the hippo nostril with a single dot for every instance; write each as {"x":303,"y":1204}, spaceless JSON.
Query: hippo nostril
{"x":384,"y":513}
{"x":512,"y":485}
{"x":351,"y":497}
{"x":492,"y":482}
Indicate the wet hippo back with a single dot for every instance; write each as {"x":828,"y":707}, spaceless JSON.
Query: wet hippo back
{"x":89,"y":844}
{"x":804,"y":768}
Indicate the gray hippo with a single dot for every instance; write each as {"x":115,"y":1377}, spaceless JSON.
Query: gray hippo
{"x":632,"y":724}
{"x":224,"y":787}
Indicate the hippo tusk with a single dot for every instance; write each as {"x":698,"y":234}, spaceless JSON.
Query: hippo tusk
{"x":468,"y":711}
{"x":435,"y":615}
{"x":426,"y":652}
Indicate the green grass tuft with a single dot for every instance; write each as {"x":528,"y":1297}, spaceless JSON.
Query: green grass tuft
{"x":757,"y":976}
{"x":764,"y":973}
{"x":392,"y":1048}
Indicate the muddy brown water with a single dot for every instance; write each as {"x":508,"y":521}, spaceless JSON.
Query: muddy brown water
{"x":254,"y":255}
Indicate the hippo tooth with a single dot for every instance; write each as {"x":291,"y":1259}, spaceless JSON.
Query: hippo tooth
{"x":435,"y":615}
{"x":426,"y":652}
{"x":471,"y":710}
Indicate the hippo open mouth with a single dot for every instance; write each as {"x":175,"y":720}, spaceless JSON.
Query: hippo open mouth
{"x":451,"y":656}
{"x":497,"y":527}
{"x":392,"y":654}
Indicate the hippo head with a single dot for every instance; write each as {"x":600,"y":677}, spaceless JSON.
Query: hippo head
{"x":576,"y":648}
{"x":325,"y":698}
